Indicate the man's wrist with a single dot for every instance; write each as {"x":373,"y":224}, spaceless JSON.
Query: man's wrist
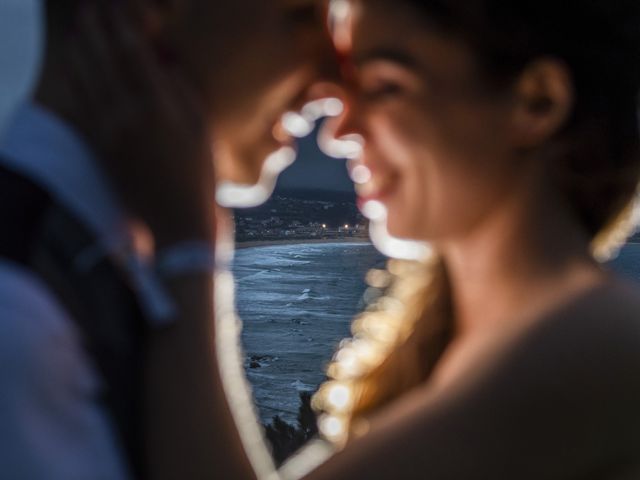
{"x":168,"y":234}
{"x":185,"y":258}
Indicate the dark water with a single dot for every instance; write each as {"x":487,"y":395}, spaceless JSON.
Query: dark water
{"x":297,"y":302}
{"x":628,"y":262}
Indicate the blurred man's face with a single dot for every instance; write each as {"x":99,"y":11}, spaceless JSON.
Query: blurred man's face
{"x":253,"y":60}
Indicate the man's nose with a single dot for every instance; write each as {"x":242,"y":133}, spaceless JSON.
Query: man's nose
{"x":342,"y":136}
{"x":348,"y":122}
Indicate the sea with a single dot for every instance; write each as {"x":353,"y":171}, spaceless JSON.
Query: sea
{"x":297,"y":302}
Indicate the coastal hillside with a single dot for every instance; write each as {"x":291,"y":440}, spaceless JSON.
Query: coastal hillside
{"x":302,"y":214}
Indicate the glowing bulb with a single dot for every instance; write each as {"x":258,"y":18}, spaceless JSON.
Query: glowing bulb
{"x":346,"y":226}
{"x":233,"y":195}
{"x":374,"y":210}
{"x":360,"y":174}
{"x":347,"y":358}
{"x":339,"y":14}
{"x":324,"y":107}
{"x":392,"y":305}
{"x":333,"y":107}
{"x":339,"y":9}
{"x":383,"y":332}
{"x":296,"y":125}
{"x":331,"y":426}
{"x":345,"y":365}
{"x":324,"y":225}
{"x":347,"y":146}
{"x":301,"y":124}
{"x":368,"y":353}
{"x":339,"y":396}
{"x":277,"y":162}
{"x":394,"y":247}
{"x":378,"y":278}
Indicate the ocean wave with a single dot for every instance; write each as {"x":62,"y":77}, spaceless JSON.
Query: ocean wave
{"x":302,"y":387}
{"x":305,"y":294}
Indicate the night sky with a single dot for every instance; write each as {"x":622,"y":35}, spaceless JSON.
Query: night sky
{"x":314,"y":170}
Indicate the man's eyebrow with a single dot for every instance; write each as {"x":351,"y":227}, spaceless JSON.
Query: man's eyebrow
{"x":385,"y":54}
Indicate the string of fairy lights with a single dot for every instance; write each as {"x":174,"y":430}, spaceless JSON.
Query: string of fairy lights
{"x":375,"y":333}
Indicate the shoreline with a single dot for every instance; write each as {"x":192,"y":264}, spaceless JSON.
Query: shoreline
{"x":310,"y":241}
{"x":298,"y":241}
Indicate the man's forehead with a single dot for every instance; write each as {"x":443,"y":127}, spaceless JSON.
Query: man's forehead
{"x":249,"y":15}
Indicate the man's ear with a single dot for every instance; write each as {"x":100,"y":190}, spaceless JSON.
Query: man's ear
{"x":543,"y":102}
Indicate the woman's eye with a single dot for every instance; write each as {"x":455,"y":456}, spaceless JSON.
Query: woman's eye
{"x":382,"y":90}
{"x":385,"y":80}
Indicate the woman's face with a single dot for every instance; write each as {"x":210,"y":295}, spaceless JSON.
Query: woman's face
{"x":436,"y":141}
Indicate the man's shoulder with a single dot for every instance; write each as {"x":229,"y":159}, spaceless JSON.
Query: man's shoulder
{"x":47,"y":383}
{"x":30,"y":314}
{"x":23,"y":290}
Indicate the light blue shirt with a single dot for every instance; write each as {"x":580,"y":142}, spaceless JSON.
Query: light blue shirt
{"x":52,"y":425}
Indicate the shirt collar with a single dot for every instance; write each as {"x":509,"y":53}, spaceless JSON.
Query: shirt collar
{"x":45,"y":149}
{"x":42,"y":147}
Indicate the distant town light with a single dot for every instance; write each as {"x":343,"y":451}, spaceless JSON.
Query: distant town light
{"x":346,"y":226}
{"x":324,"y":225}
